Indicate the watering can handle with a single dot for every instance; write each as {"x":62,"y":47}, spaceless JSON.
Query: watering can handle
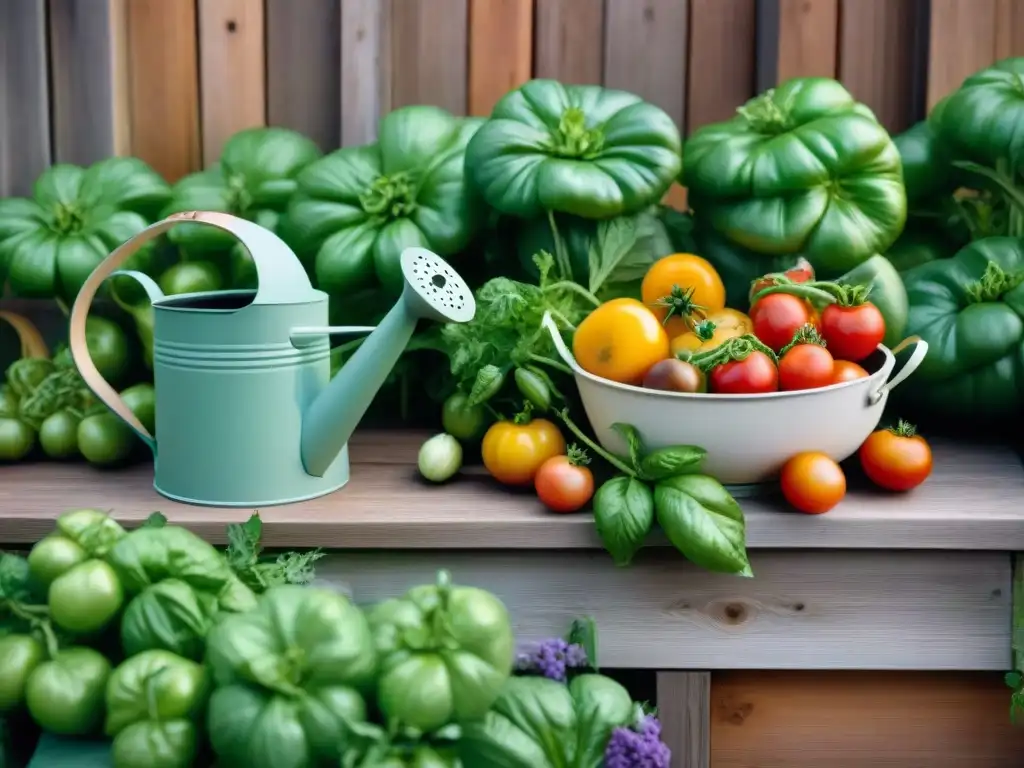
{"x":282,"y":280}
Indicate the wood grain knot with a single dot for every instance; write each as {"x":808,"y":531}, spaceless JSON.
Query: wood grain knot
{"x":735,"y":712}
{"x":648,"y":14}
{"x":231,"y":26}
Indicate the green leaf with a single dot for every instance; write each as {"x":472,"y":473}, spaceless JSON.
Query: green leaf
{"x":155,"y":520}
{"x":584,"y":634}
{"x":703,"y":522}
{"x":623,"y":514}
{"x":544,"y":262}
{"x":673,"y":460}
{"x":1014,"y":679}
{"x":633,"y":440}
{"x":614,"y":240}
{"x":15,"y":580}
{"x":488,"y":382}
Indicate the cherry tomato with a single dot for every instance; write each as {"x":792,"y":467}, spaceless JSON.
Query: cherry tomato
{"x":514,"y":452}
{"x":813,"y":483}
{"x":777,"y":317}
{"x":755,"y":374}
{"x":852,"y":333}
{"x":687,"y":272}
{"x":729,"y":323}
{"x":620,"y":341}
{"x":563,"y":483}
{"x":844,"y":370}
{"x":896,"y":459}
{"x":806,"y":366}
{"x":801,"y":272}
{"x":672,"y":375}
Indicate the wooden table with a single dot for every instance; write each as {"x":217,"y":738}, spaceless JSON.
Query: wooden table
{"x":882,"y":583}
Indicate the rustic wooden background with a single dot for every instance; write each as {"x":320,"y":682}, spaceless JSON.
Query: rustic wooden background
{"x":169,"y":80}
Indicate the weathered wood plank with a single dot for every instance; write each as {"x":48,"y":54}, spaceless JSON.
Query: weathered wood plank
{"x":564,"y":41}
{"x":500,"y":50}
{"x":24,"y":101}
{"x":645,"y":51}
{"x":723,"y":42}
{"x":304,"y":68}
{"x":164,"y":85}
{"x":428,"y":53}
{"x":877,"y":57}
{"x":232,"y":70}
{"x":810,"y":610}
{"x":1009,"y":29}
{"x":962,"y":40}
{"x":857,"y":719}
{"x":796,"y":38}
{"x":684,"y":708}
{"x":365,"y":68}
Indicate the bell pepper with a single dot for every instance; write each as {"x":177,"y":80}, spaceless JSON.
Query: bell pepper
{"x":579,"y":149}
{"x":970,"y":310}
{"x":358,"y":208}
{"x":53,"y":241}
{"x":887,"y":293}
{"x":802,"y":169}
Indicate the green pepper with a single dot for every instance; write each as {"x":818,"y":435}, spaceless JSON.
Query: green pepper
{"x":54,"y":240}
{"x":970,"y":310}
{"x":801,"y":169}
{"x":579,"y":149}
{"x":357,"y":209}
{"x":887,"y":293}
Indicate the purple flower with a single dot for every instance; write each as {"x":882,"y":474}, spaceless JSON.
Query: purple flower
{"x":552,"y":658}
{"x":639,"y":746}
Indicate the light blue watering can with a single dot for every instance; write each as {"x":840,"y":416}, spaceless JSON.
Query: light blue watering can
{"x":246,"y":411}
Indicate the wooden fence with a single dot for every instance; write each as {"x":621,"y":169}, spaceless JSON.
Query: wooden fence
{"x":169,"y":80}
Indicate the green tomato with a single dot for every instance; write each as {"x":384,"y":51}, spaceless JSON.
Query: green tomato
{"x":108,"y":348}
{"x":8,"y":401}
{"x":19,"y":656}
{"x":461,"y":420}
{"x":191,"y":277}
{"x":54,"y":556}
{"x":58,"y":435}
{"x":17,"y":439}
{"x":440,"y":458}
{"x":65,"y":695}
{"x":141,"y":400}
{"x":105,"y":439}
{"x":86,"y":598}
{"x":153,"y":744}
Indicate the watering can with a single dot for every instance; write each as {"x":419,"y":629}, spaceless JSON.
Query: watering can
{"x":246,"y":410}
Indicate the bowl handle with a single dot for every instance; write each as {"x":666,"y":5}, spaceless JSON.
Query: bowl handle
{"x":916,"y":358}
{"x":556,"y":336}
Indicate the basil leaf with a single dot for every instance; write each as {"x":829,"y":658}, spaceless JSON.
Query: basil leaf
{"x":703,"y":522}
{"x":155,"y":520}
{"x":633,"y":440}
{"x":623,"y":514}
{"x":613,"y":242}
{"x":486,"y":385}
{"x":674,"y":460}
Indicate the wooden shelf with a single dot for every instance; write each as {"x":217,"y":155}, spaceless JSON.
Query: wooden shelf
{"x":971,"y":502}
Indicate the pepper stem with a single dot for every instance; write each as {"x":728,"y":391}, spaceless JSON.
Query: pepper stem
{"x":994,"y":283}
{"x":572,"y":138}
{"x":763,"y":114}
{"x":392,"y":197}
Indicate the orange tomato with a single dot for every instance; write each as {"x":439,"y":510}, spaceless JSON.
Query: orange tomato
{"x":844,"y":370}
{"x":563,"y":486}
{"x":513,"y":453}
{"x":896,"y":459}
{"x":813,"y":483}
{"x":687,"y":272}
{"x":729,"y":323}
{"x":620,"y":341}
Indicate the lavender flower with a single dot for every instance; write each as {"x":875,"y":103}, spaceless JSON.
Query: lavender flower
{"x":552,"y":658}
{"x":639,"y":746}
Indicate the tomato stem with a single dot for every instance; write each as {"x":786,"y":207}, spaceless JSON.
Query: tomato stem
{"x":903,"y":429}
{"x":525,"y":416}
{"x":558,"y":366}
{"x":680,"y":303}
{"x":705,"y":330}
{"x":732,"y":350}
{"x":577,"y":456}
{"x":806,"y":334}
{"x":610,"y":458}
{"x":568,"y":285}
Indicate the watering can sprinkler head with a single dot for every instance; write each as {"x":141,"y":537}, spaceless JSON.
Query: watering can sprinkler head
{"x":432,"y":291}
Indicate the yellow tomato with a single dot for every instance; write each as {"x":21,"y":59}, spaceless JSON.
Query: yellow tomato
{"x":686,"y":272}
{"x":514,"y":452}
{"x":729,"y":323}
{"x":620,"y":341}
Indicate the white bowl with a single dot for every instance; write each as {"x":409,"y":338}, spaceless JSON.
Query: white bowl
{"x":747,"y":437}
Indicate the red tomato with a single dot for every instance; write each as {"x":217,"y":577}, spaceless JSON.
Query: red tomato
{"x":844,"y":370}
{"x":813,"y":483}
{"x":562,"y":485}
{"x":806,"y":366}
{"x":777,"y":317}
{"x":896,"y":459}
{"x":801,"y":272}
{"x":852,"y":333}
{"x":753,"y":375}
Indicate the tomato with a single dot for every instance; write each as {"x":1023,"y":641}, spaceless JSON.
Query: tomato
{"x":141,"y":400}
{"x":514,"y":452}
{"x":777,"y":317}
{"x":852,"y":333}
{"x":754,"y":374}
{"x":685,"y":272}
{"x":53,"y":556}
{"x":108,"y":348}
{"x":844,"y":370}
{"x":19,"y":656}
{"x":620,"y":341}
{"x":191,"y":277}
{"x":806,"y":366}
{"x":729,"y":323}
{"x":801,"y":272}
{"x":85,"y":598}
{"x":58,"y":435}
{"x":105,"y":439}
{"x":813,"y":483}
{"x":672,"y":375}
{"x":563,"y":483}
{"x":896,"y":459}
{"x":17,"y":439}
{"x":461,"y":420}
{"x":65,"y":695}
